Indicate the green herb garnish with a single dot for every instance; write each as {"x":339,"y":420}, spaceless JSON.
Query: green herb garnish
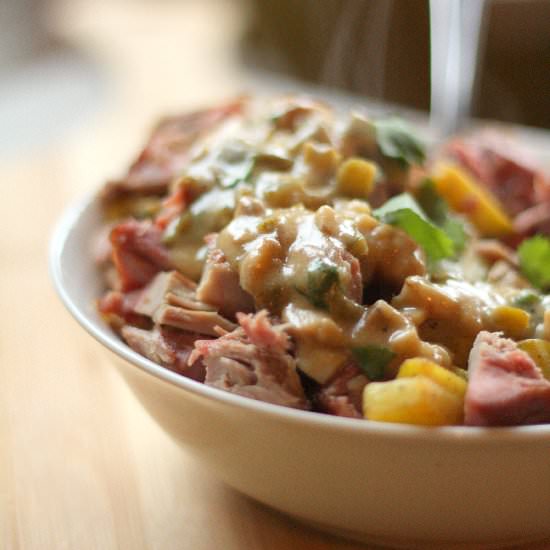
{"x":534,"y":260}
{"x":373,"y":360}
{"x":526,"y":299}
{"x":404,"y":212}
{"x":436,"y":209}
{"x":248,"y":171}
{"x":321,"y":276}
{"x":397,"y":142}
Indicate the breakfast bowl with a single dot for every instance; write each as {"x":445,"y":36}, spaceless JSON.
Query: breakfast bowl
{"x":383,"y":483}
{"x":381,"y":479}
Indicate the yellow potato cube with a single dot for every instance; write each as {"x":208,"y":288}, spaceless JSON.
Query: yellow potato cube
{"x":513,"y":321}
{"x":539,"y":350}
{"x":418,"y":366}
{"x":356,"y":177}
{"x":417,"y":400}
{"x":465,"y":195}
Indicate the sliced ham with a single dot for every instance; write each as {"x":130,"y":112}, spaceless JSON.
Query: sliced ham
{"x":203,"y":322}
{"x":534,"y":220}
{"x":172,"y":288}
{"x":259,"y":370}
{"x":138,"y":253}
{"x":169,"y":300}
{"x":119,"y":308}
{"x":167,"y":152}
{"x":166,"y":346}
{"x":505,"y":387}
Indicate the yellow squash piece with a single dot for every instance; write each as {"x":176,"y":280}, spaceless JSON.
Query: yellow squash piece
{"x":539,"y":350}
{"x":356,"y":177}
{"x":465,"y":195}
{"x":513,"y":321}
{"x":418,"y":366}
{"x":417,"y":400}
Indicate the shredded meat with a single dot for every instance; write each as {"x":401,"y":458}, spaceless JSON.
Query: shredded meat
{"x":342,"y":395}
{"x":219,"y":286}
{"x":257,"y":367}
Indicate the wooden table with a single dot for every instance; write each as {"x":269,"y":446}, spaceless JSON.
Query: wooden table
{"x":82,"y":466}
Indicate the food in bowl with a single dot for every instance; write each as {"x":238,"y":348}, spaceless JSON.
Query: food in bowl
{"x":290,"y":254}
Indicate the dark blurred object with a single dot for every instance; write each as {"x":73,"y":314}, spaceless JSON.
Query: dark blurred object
{"x":380,"y":48}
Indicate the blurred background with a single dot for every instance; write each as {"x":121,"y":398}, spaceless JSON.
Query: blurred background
{"x":93,"y":64}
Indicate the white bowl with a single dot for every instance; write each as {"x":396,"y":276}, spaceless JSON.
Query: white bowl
{"x":390,"y":484}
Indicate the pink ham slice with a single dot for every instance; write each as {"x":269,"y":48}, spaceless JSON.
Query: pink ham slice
{"x":167,"y":152}
{"x":505,"y":387}
{"x":138,"y":253}
{"x":169,"y":300}
{"x":166,"y":346}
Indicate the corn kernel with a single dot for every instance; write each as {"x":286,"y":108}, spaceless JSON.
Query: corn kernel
{"x":356,"y":177}
{"x":419,"y":366}
{"x":539,"y":351}
{"x":465,"y":195}
{"x":321,"y":157}
{"x":418,"y":400}
{"x":513,"y":321}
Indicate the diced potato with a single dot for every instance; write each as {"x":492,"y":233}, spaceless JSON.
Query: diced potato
{"x":418,"y":366}
{"x":539,"y":350}
{"x":465,"y":195}
{"x":417,"y":400}
{"x":513,"y":321}
{"x":319,"y":362}
{"x":356,"y":177}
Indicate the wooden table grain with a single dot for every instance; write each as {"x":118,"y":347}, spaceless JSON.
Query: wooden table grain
{"x":82,"y":466}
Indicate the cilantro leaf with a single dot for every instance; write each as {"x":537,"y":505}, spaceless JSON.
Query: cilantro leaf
{"x":534,"y":260}
{"x":431,"y":203}
{"x":526,"y":299}
{"x":321,"y":276}
{"x":248,"y":171}
{"x":436,"y":209}
{"x":373,"y":360}
{"x":397,"y":142}
{"x":403,"y":211}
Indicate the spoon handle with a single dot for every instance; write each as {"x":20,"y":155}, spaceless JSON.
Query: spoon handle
{"x":456,"y":29}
